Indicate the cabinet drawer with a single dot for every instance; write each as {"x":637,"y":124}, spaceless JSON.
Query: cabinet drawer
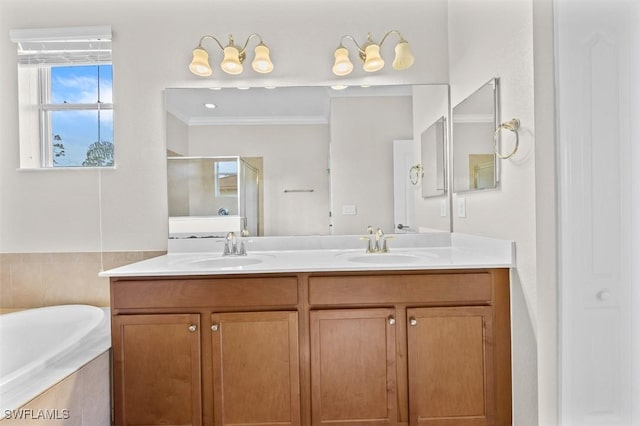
{"x":201,"y":293}
{"x":401,"y":288}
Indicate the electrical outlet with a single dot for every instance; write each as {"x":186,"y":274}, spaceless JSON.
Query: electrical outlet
{"x":462,"y":207}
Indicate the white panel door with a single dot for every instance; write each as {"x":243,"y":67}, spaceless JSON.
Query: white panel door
{"x":595,"y":94}
{"x":403,"y":190}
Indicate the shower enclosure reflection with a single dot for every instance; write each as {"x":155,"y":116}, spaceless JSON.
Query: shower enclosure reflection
{"x":210,"y":195}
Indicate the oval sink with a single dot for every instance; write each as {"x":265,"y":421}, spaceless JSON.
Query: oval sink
{"x":220,"y":262}
{"x":386,"y":258}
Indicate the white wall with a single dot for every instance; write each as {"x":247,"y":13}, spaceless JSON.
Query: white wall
{"x":177,"y":135}
{"x":294,"y":157}
{"x":429,"y":104}
{"x":362,"y":135}
{"x":152,"y":43}
{"x":546,"y":238}
{"x":495,"y":39}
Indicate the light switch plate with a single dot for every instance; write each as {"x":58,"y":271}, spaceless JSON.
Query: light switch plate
{"x":462,"y":207}
{"x":443,"y":208}
{"x":349,"y":210}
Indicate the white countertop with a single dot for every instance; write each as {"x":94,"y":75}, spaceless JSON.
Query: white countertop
{"x":326,"y":253}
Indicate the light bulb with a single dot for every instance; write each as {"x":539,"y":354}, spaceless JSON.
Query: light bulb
{"x":262,"y":63}
{"x":373,"y":61}
{"x":404,"y":58}
{"x":342,"y":65}
{"x":231,"y":62}
{"x":200,"y":63}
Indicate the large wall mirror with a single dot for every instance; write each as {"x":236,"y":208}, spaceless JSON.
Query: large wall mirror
{"x":325,"y":156}
{"x":474,"y":123}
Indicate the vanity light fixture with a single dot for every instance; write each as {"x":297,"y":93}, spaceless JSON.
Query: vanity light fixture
{"x":233,"y":58}
{"x":369,"y":53}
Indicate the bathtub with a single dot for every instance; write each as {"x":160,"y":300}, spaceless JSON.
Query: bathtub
{"x":40,"y":347}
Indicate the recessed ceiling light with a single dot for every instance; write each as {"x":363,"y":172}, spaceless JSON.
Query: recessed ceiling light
{"x":339,"y":87}
{"x":210,"y":106}
{"x":243,"y":88}
{"x":215,"y":88}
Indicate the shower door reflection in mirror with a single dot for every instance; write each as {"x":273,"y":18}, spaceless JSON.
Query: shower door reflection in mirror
{"x":220,"y":189}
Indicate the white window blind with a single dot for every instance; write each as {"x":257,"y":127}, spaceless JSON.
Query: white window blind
{"x":59,"y":46}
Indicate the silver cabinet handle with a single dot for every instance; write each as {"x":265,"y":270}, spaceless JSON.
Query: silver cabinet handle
{"x":214,"y":327}
{"x":413,"y":321}
{"x":193,"y":328}
{"x":392,"y":320}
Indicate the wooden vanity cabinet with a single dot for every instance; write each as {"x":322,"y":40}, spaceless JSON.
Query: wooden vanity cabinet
{"x":206,"y":351}
{"x":353,"y":367}
{"x":256,"y":368}
{"x":443,"y":338}
{"x":409,"y":348}
{"x":451,"y":366}
{"x":157,"y":373}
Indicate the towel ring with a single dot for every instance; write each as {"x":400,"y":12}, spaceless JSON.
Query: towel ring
{"x":415,"y":173}
{"x":513,"y":125}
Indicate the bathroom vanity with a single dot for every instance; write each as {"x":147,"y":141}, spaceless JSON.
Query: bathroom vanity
{"x":346,"y":339}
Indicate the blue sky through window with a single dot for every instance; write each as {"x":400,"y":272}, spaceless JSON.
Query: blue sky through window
{"x":78,"y":129}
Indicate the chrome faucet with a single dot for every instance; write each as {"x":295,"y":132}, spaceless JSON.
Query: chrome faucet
{"x":231,"y":247}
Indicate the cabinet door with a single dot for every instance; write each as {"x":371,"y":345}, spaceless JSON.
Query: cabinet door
{"x":157,"y":369}
{"x":451,"y":366}
{"x":353,"y":367}
{"x":256,"y":368}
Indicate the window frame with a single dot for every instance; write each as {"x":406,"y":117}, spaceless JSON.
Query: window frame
{"x":41,"y":50}
{"x":45,"y":106}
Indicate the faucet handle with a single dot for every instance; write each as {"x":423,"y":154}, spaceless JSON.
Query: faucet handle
{"x":369,"y":249}
{"x":230,"y":244}
{"x":385,"y":247}
{"x":242,"y":251}
{"x":370,"y":230}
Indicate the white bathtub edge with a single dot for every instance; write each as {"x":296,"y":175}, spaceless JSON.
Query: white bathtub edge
{"x":21,"y":391}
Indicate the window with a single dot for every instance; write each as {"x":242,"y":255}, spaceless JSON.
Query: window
{"x":226,"y":178}
{"x":65,"y":94}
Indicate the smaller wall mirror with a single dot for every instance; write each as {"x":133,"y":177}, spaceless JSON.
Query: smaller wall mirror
{"x":474,"y":123}
{"x":432,"y":157}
